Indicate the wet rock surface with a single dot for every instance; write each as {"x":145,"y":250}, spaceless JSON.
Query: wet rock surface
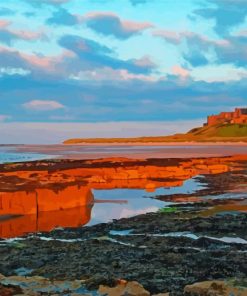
{"x":37,"y":286}
{"x":164,"y":251}
{"x":217,"y":288}
{"x":159,"y":263}
{"x":124,"y":289}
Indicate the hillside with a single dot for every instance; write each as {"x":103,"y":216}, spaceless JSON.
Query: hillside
{"x":213,"y":133}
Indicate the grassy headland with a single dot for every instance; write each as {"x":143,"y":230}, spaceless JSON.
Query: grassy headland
{"x":215,"y":133}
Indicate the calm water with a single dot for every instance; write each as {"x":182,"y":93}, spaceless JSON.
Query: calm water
{"x":105,"y":206}
{"x":123,"y":203}
{"x":9,"y":154}
{"x":37,"y":152}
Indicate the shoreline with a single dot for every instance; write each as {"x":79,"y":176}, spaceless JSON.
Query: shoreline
{"x":137,"y":150}
{"x":164,"y":251}
{"x":193,"y":143}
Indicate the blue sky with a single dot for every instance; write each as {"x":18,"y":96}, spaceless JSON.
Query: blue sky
{"x":101,"y":61}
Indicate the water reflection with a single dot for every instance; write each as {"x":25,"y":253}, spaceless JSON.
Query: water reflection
{"x":136,"y":204}
{"x":44,"y":221}
{"x":44,"y":209}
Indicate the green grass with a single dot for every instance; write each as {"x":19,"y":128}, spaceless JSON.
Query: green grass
{"x":213,"y":133}
{"x":168,"y":210}
{"x":232,"y":130}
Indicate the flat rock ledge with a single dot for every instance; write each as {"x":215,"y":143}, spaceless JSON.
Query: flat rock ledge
{"x":214,"y":288}
{"x":38,"y":286}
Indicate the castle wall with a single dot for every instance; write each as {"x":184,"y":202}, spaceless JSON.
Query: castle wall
{"x":239,"y":116}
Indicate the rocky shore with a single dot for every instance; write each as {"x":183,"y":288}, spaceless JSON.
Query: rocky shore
{"x":162,"y":251}
{"x":202,"y":238}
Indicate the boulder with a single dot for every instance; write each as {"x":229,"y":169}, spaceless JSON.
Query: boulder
{"x":124,"y":289}
{"x":214,"y":288}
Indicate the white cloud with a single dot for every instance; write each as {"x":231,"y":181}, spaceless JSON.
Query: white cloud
{"x":40,"y":105}
{"x":14,"y":71}
{"x":218,"y":73}
{"x":109,"y":74}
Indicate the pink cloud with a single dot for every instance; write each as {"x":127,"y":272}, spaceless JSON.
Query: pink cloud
{"x":52,"y":65}
{"x":171,"y":36}
{"x":115,"y":26}
{"x":179,"y":71}
{"x":178,"y":37}
{"x":144,"y":62}
{"x":29,"y":35}
{"x":132,"y":26}
{"x":19,"y":34}
{"x":4,"y":24}
{"x":47,"y":63}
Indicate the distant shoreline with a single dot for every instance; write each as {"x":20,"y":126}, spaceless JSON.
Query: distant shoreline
{"x":157,"y":144}
{"x":213,"y":134}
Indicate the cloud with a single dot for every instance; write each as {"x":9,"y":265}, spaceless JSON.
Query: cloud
{"x":234,"y":52}
{"x":227,"y":14}
{"x":38,"y":3}
{"x":169,"y":36}
{"x":77,"y":65}
{"x":110,"y":24}
{"x":231,"y":50}
{"x":4,"y":24}
{"x":105,"y":23}
{"x":109,"y":74}
{"x":14,"y":71}
{"x":56,"y":2}
{"x":202,"y":50}
{"x":122,"y":100}
{"x":7,"y":35}
{"x":193,"y":38}
{"x":136,"y":2}
{"x":95,"y":55}
{"x":6,"y":11}
{"x":62,"y":17}
{"x":197,"y":45}
{"x":219,"y":73}
{"x":40,"y":105}
{"x":15,"y":62}
{"x":181,"y":72}
{"x":4,"y":117}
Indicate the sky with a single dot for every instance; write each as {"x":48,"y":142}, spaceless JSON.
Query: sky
{"x":85,"y":68}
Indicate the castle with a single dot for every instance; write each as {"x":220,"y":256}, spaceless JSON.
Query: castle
{"x":238,"y":116}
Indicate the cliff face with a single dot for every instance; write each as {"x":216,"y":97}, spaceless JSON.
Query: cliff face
{"x":44,"y":209}
{"x":43,"y":200}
